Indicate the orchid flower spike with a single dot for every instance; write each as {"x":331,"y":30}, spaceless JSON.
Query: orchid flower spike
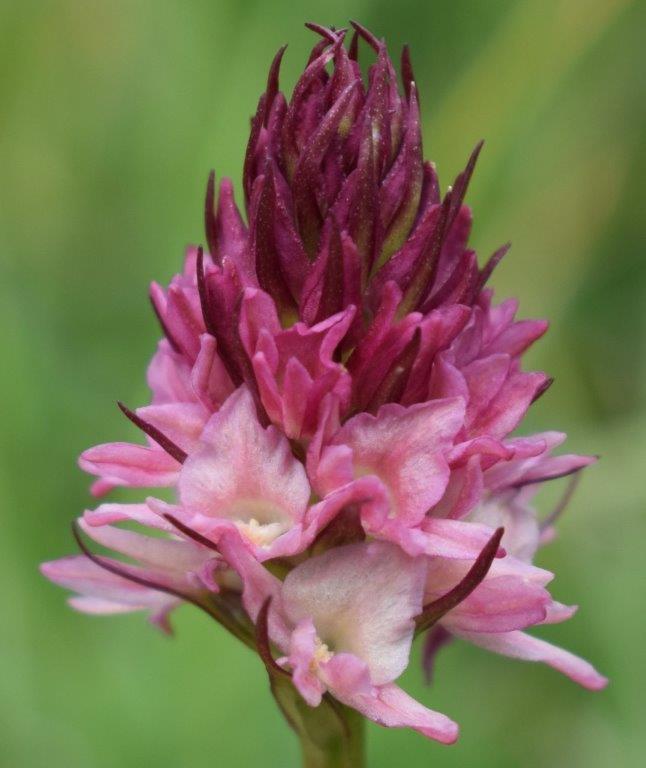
{"x":334,"y":405}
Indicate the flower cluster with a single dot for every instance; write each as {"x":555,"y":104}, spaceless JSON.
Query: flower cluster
{"x":333,"y":403}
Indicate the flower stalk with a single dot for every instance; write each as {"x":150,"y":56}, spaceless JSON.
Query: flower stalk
{"x":346,"y":750}
{"x":330,"y":736}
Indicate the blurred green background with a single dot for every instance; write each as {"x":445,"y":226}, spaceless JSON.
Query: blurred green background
{"x":111,"y":115}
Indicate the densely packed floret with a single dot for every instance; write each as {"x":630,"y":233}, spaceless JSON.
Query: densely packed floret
{"x":334,"y":403}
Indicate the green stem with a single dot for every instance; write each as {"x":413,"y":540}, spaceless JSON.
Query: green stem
{"x":341,"y":749}
{"x":331,"y":735}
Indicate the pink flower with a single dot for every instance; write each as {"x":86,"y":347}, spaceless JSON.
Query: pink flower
{"x":352,"y":636}
{"x":344,"y":633}
{"x":246,"y":476}
{"x":294,"y":368}
{"x":333,"y":407}
{"x":168,"y":572}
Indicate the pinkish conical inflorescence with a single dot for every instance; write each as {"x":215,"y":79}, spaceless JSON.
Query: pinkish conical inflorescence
{"x":333,"y":402}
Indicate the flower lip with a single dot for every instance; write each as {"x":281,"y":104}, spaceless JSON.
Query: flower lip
{"x":244,"y":474}
{"x":371,"y":619}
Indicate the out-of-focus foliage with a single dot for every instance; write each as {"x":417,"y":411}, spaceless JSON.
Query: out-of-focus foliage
{"x":111,"y":114}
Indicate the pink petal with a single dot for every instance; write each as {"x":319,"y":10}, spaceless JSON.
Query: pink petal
{"x":519,"y":645}
{"x":347,"y":676}
{"x":302,"y":653}
{"x":210,"y":380}
{"x":371,"y":618}
{"x":131,"y":465}
{"x":80,"y":574}
{"x":484,"y":378}
{"x":257,"y":313}
{"x":506,"y":410}
{"x":390,"y":706}
{"x":348,"y":679}
{"x":366,"y":493}
{"x":169,"y":376}
{"x":182,"y":423}
{"x":499,"y":604}
{"x":162,"y":553}
{"x":405,"y":448}
{"x":522,"y":534}
{"x":295,"y":367}
{"x":531,"y":465}
{"x":515,"y":339}
{"x":108,"y":514}
{"x":457,"y":536}
{"x":463,"y":491}
{"x":258,"y":584}
{"x":98,"y":606}
{"x":557,"y":612}
{"x":102,"y":487}
{"x":434,"y":537}
{"x":245,"y":474}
